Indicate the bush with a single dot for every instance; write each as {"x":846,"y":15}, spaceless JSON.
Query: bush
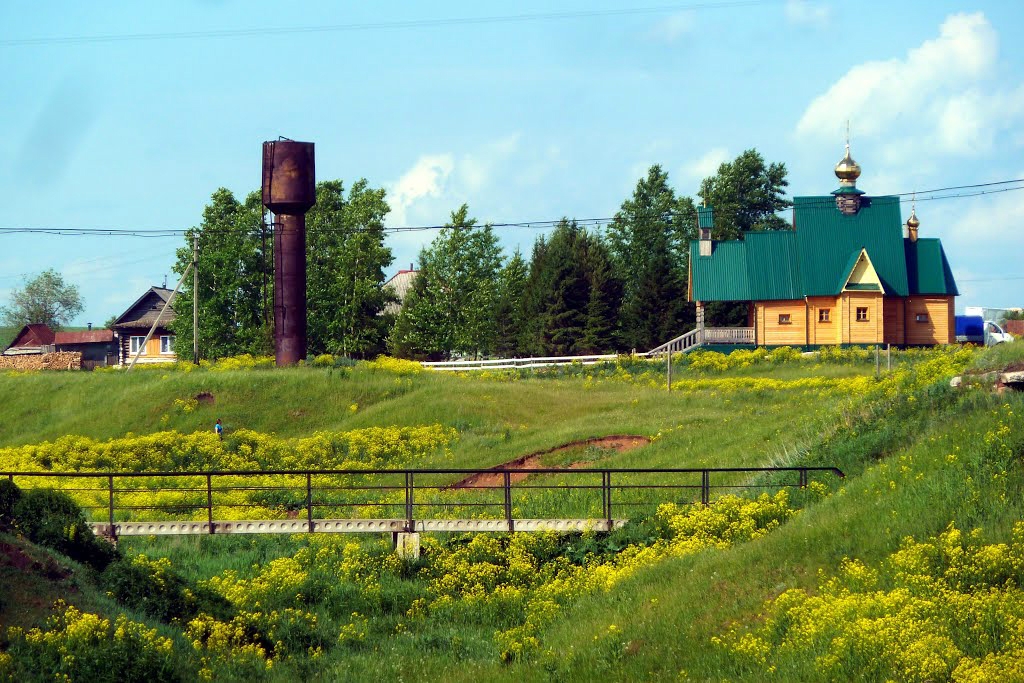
{"x":9,"y":496}
{"x":152,"y":587}
{"x":78,"y":646}
{"x":51,"y":518}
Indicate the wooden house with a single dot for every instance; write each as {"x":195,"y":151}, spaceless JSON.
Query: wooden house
{"x":31,"y":339}
{"x":96,"y":346}
{"x":132,"y":326}
{"x":847,"y":273}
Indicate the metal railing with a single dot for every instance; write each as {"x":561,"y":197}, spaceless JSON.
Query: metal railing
{"x":424,"y":499}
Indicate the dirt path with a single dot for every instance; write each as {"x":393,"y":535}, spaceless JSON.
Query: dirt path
{"x":495,"y":477}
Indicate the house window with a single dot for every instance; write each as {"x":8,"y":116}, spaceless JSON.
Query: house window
{"x":824,"y":315}
{"x":167,"y":343}
{"x":862,"y":314}
{"x":134,"y":344}
{"x":784,"y":319}
{"x":921,"y":317}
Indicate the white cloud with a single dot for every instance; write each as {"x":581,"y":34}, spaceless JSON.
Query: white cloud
{"x":877,"y":95}
{"x":675,"y":26}
{"x":474,"y":169}
{"x":707,"y":165}
{"x":804,"y":12}
{"x":427,"y":178}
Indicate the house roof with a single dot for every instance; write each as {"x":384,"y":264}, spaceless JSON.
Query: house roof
{"x":35,"y":334}
{"x":828,"y":239}
{"x":928,"y":271}
{"x":144,"y":311}
{"x":818,"y":256}
{"x":84,"y":337}
{"x":400,"y":284}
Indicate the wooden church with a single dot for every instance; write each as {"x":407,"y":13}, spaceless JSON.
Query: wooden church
{"x":847,"y":273}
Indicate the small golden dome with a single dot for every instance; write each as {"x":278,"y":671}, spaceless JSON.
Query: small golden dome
{"x":848,"y":170}
{"x":913,"y":222}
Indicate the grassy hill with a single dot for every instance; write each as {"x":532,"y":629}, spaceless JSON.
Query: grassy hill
{"x":657,"y":601}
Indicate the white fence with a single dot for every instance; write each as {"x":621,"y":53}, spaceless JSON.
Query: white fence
{"x":681,"y":344}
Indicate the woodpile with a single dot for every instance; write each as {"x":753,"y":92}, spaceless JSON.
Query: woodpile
{"x":63,"y":360}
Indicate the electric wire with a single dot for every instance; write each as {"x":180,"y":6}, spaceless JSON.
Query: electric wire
{"x":378,"y":26}
{"x":825,"y":203}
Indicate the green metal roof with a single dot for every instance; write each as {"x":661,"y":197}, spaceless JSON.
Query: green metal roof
{"x":773,"y":266}
{"x":928,"y":271}
{"x":826,"y":238}
{"x":721,"y":276}
{"x":863,"y":287}
{"x":817,"y":258}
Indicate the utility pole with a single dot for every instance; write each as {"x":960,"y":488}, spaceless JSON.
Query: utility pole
{"x":195,"y":298}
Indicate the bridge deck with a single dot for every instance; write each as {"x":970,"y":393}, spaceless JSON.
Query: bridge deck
{"x":348,"y":526}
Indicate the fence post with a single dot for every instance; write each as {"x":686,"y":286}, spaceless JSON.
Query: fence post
{"x":309,"y":502}
{"x":110,"y":506}
{"x":888,"y":357}
{"x":705,"y":487}
{"x":668,"y":367}
{"x":606,"y":488}
{"x":409,"y":522}
{"x":209,"y":501}
{"x":878,"y":361}
{"x":803,"y":477}
{"x":507,"y":477}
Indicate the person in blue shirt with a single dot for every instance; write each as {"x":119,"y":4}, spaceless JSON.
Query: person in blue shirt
{"x":219,"y":428}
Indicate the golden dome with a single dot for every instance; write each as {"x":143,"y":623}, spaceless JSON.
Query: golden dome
{"x":848,"y":170}
{"x":913,"y":222}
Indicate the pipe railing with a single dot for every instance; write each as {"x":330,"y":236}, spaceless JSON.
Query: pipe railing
{"x":422,"y":498}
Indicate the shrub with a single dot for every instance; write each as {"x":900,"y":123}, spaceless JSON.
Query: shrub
{"x":51,"y":518}
{"x":78,"y":646}
{"x":9,"y":496}
{"x":152,"y":587}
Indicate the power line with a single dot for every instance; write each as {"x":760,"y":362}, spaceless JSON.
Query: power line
{"x":377,"y":26}
{"x":824,"y":203}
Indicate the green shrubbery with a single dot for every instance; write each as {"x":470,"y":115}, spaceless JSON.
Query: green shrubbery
{"x":52,"y":519}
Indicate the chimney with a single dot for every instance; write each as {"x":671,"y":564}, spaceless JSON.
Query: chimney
{"x":705,"y":221}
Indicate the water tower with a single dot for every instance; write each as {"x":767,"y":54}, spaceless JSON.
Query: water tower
{"x":289,"y":191}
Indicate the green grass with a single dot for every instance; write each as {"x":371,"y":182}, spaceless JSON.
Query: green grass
{"x":900,"y":482}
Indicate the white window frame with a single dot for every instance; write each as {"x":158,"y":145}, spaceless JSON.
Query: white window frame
{"x":167,"y":342}
{"x":134,"y":343}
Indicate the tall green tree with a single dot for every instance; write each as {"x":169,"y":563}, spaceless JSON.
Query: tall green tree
{"x":508,"y":318}
{"x":649,"y":240}
{"x":45,"y":298}
{"x":451,"y":307}
{"x":346,"y":258}
{"x":601,"y":330}
{"x":571,"y":297}
{"x":234,"y":281}
{"x":746,"y":194}
{"x":564,"y":314}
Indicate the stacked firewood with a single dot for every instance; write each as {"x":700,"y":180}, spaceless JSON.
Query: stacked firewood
{"x":63,"y":360}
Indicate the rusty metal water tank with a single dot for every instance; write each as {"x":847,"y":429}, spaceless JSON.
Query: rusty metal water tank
{"x":289,"y":191}
{"x":289,"y":177}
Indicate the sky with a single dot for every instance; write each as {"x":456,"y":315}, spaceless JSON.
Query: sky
{"x":130,"y":115}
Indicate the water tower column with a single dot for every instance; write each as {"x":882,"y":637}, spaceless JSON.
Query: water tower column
{"x":289,"y":191}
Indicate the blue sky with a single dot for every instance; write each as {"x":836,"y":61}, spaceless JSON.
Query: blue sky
{"x":525,"y":112}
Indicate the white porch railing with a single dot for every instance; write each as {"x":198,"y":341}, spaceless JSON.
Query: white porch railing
{"x":728,"y":335}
